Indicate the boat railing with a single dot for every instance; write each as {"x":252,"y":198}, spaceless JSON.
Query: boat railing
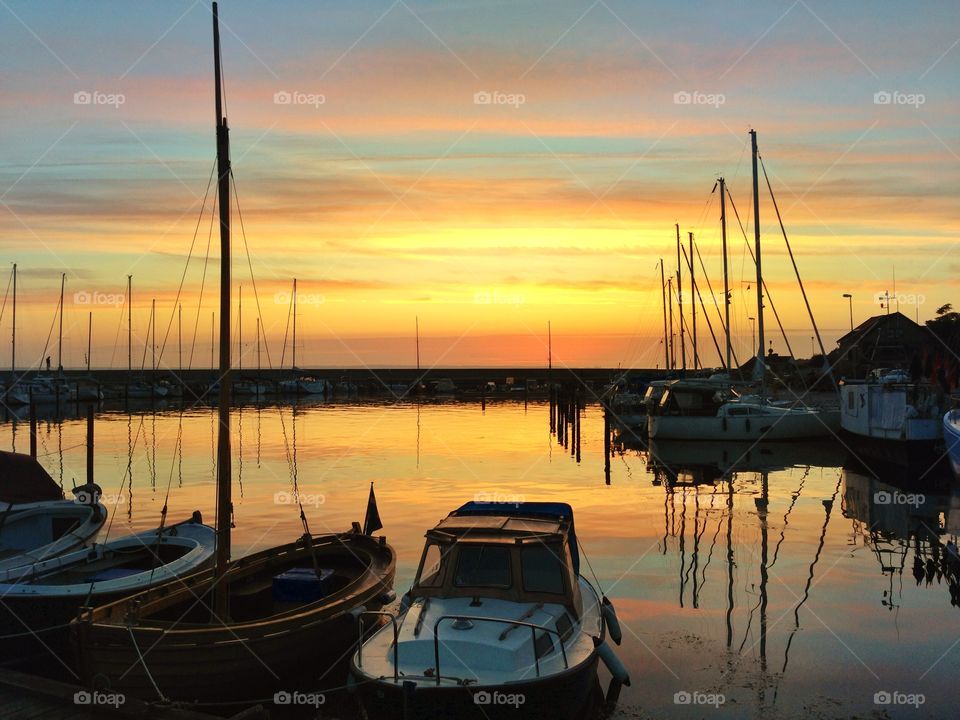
{"x":516,"y":623}
{"x":396,"y":637}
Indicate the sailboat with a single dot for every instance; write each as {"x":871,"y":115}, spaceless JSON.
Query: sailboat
{"x":250,"y":387}
{"x":692,"y":410}
{"x":250,"y":626}
{"x":300,"y":385}
{"x":138,"y":389}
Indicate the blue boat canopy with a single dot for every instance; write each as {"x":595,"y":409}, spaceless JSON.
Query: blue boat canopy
{"x":529,"y":510}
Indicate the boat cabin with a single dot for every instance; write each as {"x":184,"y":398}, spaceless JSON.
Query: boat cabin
{"x":518,"y":552}
{"x":693,"y":398}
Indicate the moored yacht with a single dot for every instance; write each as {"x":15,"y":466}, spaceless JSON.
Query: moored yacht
{"x":499,"y":623}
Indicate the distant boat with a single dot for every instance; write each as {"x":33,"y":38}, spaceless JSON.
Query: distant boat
{"x":689,"y":411}
{"x":36,"y":531}
{"x":250,"y":626}
{"x":951,"y":435}
{"x":141,"y":389}
{"x":499,"y":620}
{"x":891,"y":417}
{"x":250,"y":388}
{"x":45,"y":595}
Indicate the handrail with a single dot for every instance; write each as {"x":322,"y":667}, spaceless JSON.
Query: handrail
{"x":396,"y":637}
{"x":533,"y":635}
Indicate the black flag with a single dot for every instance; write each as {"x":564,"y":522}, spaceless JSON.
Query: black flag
{"x":371,"y":522}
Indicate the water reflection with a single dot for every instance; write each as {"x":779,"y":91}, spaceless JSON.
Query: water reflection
{"x":768,"y":573}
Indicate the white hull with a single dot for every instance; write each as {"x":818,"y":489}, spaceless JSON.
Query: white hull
{"x":951,"y":435}
{"x":895,"y":412}
{"x":786,"y":425}
{"x":29,"y":531}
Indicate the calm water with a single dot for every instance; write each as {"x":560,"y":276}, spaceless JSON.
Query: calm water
{"x":807,"y":604}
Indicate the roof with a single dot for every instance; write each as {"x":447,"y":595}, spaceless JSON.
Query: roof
{"x":521,"y":518}
{"x":872,"y":323}
{"x":23,"y":480}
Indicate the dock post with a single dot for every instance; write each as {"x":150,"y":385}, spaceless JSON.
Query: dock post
{"x":33,"y":426}
{"x":606,"y":443}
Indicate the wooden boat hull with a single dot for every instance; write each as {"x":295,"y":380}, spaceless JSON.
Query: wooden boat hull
{"x":563,"y":696}
{"x":189,"y":652}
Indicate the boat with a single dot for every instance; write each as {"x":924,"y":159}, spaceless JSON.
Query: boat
{"x":46,"y":389}
{"x":892,"y":418}
{"x":252,"y":626}
{"x":951,"y":436}
{"x":499,"y":621}
{"x":24,"y":480}
{"x":628,"y":408}
{"x":299,"y":384}
{"x":141,"y":389}
{"x":41,"y":598}
{"x":690,"y":410}
{"x":251,"y":388}
{"x":39,"y":530}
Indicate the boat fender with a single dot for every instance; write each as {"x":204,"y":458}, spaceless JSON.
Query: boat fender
{"x":356,"y":612}
{"x":610,"y":617}
{"x":619,"y":675}
{"x":388,"y":597}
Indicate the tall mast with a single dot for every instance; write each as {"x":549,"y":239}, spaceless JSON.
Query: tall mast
{"x":89,"y":338}
{"x":129,"y":327}
{"x":240,"y":329}
{"x":693,"y":307}
{"x":683,"y":347}
{"x":673,"y":357}
{"x":756,"y":240}
{"x":663,"y":298}
{"x":549,"y":347}
{"x":726,"y":284}
{"x":13,"y":339}
{"x":258,"y":346}
{"x":153,"y":335}
{"x":416,"y":332}
{"x":294,"y":323}
{"x":180,"y":338}
{"x":63,"y":281}
{"x":224,"y":505}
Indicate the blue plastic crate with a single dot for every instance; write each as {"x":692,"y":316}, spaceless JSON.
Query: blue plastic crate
{"x":302,"y":585}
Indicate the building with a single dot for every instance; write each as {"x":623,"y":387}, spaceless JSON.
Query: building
{"x":883,"y":341}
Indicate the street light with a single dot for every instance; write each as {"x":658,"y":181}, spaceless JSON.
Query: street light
{"x":849,"y":297}
{"x":753,"y":330}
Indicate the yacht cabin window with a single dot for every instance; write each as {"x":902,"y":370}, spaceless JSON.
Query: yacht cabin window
{"x":483,"y":566}
{"x":542,"y":568}
{"x":431,"y":572}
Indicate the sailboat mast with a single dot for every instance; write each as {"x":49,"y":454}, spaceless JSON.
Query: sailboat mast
{"x":673,"y":357}
{"x":13,"y":339}
{"x":240,"y":329}
{"x":693,"y":307}
{"x":294,"y":323}
{"x":153,"y":335}
{"x":416,"y":332}
{"x":89,"y":338}
{"x":683,"y":347}
{"x":663,"y":299}
{"x":63,"y":281}
{"x":180,"y":338}
{"x":129,"y":327}
{"x":224,"y":504}
{"x":258,"y":347}
{"x":726,"y":282}
{"x":756,"y":241}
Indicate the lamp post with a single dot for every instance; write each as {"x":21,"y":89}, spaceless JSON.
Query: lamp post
{"x":753,"y":331}
{"x":849,"y":297}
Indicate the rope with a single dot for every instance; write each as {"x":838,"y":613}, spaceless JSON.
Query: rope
{"x":143,"y":662}
{"x":710,"y":288}
{"x":585,"y":557}
{"x":203,"y":281}
{"x":706,"y":317}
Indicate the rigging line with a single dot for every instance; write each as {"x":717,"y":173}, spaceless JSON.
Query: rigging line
{"x":186,"y":265}
{"x":116,"y":338}
{"x":796,"y":270}
{"x":146,"y":337}
{"x":203,"y":281}
{"x":712,"y":294}
{"x":127,"y":478}
{"x":706,"y":317}
{"x":5,"y":294}
{"x":286,"y":332}
{"x":53,"y":323}
{"x":765,"y":290}
{"x":253,"y":280}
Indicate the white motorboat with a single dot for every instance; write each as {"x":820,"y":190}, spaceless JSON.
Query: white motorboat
{"x":498,"y":617}
{"x":31,"y":532}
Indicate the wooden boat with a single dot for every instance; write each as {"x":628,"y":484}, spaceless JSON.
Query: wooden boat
{"x":499,"y":622}
{"x":250,"y":626}
{"x":41,"y":598}
{"x":40,"y":530}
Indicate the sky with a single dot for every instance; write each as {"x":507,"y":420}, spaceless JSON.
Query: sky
{"x":479,"y":168}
